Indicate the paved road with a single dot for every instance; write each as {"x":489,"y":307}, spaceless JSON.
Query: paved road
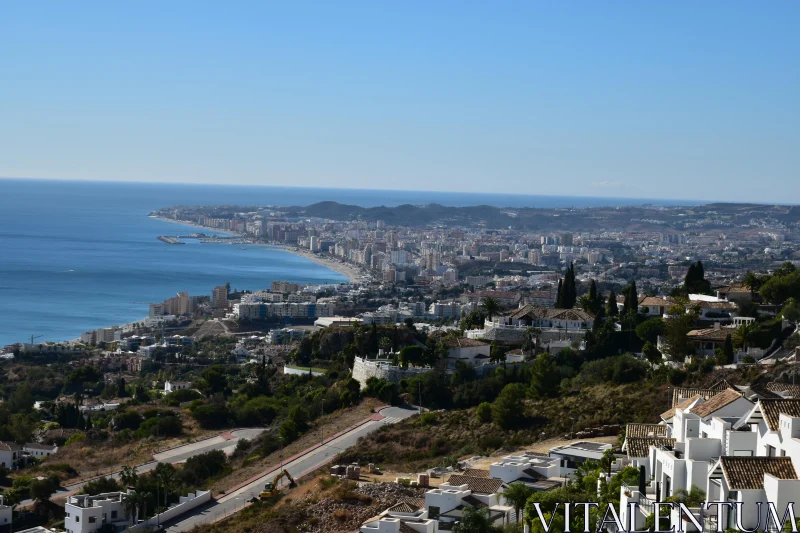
{"x":175,"y":455}
{"x":235,"y":501}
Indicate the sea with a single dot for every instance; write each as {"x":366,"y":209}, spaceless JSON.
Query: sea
{"x":81,"y":255}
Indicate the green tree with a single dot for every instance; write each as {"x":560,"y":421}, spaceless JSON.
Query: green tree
{"x":727,"y":350}
{"x":490,"y":306}
{"x":651,"y":353}
{"x":695,"y":281}
{"x":791,"y":311}
{"x":165,"y":474}
{"x":744,"y":335}
{"x":544,"y":377}
{"x":560,"y":295}
{"x":676,"y":331}
{"x":650,"y":329}
{"x":475,"y":521}
{"x":21,"y":399}
{"x":631,"y":304}
{"x":484,"y":412}
{"x":516,"y":495}
{"x":129,"y":476}
{"x":612,"y":309}
{"x":508,"y":408}
{"x":42,"y":489}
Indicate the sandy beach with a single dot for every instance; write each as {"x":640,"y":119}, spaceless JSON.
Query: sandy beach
{"x":352,"y":272}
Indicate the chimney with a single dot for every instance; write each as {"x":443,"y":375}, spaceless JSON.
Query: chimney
{"x":716,"y":325}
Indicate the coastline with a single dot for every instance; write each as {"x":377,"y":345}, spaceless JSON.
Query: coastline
{"x":351,"y":272}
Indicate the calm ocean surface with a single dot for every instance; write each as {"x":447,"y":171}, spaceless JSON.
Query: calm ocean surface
{"x":76,"y":256}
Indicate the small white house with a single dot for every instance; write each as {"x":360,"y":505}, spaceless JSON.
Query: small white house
{"x":39,"y":451}
{"x":87,"y":514}
{"x":10,"y":453}
{"x":172,"y":386}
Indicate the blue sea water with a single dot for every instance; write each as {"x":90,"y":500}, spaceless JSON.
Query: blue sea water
{"x":77,"y":255}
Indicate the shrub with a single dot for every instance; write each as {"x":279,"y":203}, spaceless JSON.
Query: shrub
{"x":210,"y":416}
{"x":180,"y":396}
{"x":427,"y":419}
{"x":484,"y":412}
{"x":200,"y":468}
{"x":77,"y":437}
{"x":100,"y":485}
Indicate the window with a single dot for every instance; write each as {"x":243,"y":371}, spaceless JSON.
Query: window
{"x":92,"y":519}
{"x":783,"y":453}
{"x":77,"y":518}
{"x":113,"y":514}
{"x":770,"y":451}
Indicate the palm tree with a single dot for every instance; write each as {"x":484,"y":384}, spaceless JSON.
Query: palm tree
{"x":743,"y":335}
{"x":131,"y":506}
{"x":385,"y":344}
{"x":517,"y":494}
{"x":128,"y":476}
{"x":474,"y":521}
{"x":491,"y":306}
{"x":166,"y":475}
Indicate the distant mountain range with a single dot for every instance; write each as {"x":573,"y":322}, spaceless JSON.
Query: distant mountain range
{"x":709,"y":215}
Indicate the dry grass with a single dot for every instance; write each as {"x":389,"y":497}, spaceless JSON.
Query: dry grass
{"x":95,"y":459}
{"x":333,"y":423}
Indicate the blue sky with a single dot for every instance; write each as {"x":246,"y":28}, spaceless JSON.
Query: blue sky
{"x":689,"y":100}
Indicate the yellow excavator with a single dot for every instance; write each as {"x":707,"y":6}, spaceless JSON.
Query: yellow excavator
{"x":271,"y":488}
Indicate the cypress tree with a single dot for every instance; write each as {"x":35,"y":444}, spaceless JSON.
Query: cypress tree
{"x":727,"y":349}
{"x":632,"y":298}
{"x":592,"y":291}
{"x":560,"y":295}
{"x":611,"y":305}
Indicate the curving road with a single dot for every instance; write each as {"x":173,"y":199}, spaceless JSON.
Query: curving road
{"x":225,"y":443}
{"x":311,"y":460}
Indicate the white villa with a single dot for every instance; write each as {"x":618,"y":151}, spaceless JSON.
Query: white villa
{"x":740,"y":444}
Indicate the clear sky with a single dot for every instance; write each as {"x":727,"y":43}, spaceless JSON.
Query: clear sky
{"x":689,"y":100}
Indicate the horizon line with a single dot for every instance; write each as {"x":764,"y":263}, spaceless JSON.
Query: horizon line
{"x":645,"y":200}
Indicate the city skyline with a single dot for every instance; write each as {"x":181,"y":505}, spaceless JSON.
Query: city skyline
{"x":623,"y":100}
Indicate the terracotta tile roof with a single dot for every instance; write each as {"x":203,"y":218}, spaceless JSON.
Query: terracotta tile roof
{"x":37,"y":446}
{"x":656,"y":301}
{"x":401,"y":507}
{"x":685,"y":404}
{"x":407,"y":505}
{"x":10,"y":446}
{"x":791,"y":390}
{"x":645,"y":430}
{"x":461,"y":342}
{"x":640,"y":446}
{"x":683,"y":392}
{"x":476,"y":472}
{"x":762,"y":392}
{"x":773,"y":408}
{"x":747,"y":473}
{"x":539,"y":313}
{"x":709,"y":334}
{"x":716,"y":403}
{"x":477,"y":484}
